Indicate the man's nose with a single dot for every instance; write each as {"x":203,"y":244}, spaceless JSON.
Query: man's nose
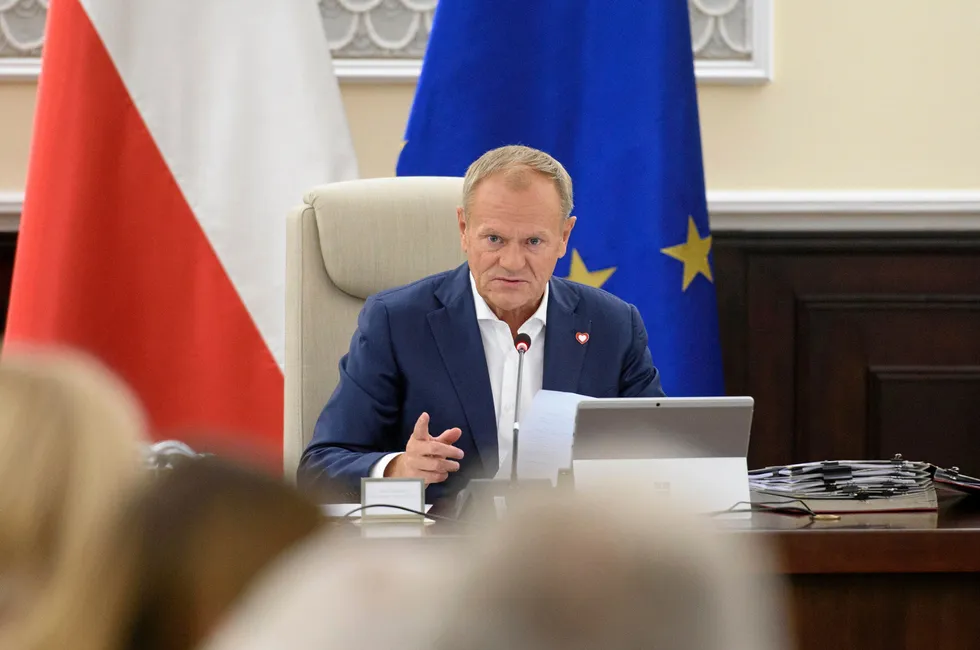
{"x":512,"y":257}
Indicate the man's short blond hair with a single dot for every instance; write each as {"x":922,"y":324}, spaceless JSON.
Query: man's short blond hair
{"x":515,"y":162}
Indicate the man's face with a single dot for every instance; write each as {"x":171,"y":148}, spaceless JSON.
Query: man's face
{"x":513,"y":238}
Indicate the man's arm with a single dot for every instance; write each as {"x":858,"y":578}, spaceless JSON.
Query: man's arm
{"x":639,"y":377}
{"x":355,"y":429}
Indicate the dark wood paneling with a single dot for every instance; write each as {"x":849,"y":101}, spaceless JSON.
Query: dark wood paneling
{"x":810,"y":322}
{"x":923,"y":411}
{"x":8,"y":242}
{"x":884,"y":612}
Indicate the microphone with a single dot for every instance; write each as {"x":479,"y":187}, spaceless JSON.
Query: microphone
{"x":523,"y":343}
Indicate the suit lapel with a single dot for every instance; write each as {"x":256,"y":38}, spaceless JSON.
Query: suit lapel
{"x":457,"y":336}
{"x":563,"y":351}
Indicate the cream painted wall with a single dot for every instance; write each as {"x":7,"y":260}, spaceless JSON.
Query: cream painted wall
{"x":16,"y":118}
{"x":377,"y":116}
{"x":867,"y":94}
{"x":874,"y":94}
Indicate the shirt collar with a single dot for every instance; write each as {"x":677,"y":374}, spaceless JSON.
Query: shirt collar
{"x":483,"y":311}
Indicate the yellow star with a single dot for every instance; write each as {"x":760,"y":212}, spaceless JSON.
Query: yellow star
{"x":578,"y":273}
{"x":694,"y":254}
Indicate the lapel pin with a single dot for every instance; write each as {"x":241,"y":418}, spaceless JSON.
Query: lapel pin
{"x":582,"y":337}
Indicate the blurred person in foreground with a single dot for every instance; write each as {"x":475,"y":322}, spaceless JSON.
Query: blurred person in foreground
{"x":345,"y":593}
{"x":427,"y":389}
{"x":70,"y":440}
{"x":564,"y":574}
{"x":590,"y":573}
{"x":201,"y":533}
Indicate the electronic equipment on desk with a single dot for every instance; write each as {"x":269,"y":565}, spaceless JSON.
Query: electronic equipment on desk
{"x":691,"y":450}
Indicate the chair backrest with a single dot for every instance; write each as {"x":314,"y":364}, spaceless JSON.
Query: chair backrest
{"x":346,"y":242}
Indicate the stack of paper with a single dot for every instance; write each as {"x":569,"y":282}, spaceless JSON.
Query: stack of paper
{"x":844,"y":479}
{"x":954,"y":480}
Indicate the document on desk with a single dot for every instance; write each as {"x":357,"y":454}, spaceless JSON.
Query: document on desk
{"x":544,"y":444}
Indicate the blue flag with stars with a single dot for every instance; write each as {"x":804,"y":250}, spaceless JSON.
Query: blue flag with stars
{"x":608,"y":89}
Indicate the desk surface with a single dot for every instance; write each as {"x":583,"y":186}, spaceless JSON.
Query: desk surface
{"x":947,"y":541}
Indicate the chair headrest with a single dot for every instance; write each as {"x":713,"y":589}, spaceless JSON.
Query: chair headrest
{"x":380,"y":233}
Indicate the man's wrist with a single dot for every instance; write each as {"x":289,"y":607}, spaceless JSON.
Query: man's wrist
{"x":383,"y":468}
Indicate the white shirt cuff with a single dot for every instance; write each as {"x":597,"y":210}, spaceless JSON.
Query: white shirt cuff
{"x":378,"y":469}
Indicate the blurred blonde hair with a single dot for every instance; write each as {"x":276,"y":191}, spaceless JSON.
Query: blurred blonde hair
{"x":515,"y":161}
{"x":69,"y":455}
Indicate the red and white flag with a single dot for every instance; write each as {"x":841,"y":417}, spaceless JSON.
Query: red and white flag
{"x":170,"y":140}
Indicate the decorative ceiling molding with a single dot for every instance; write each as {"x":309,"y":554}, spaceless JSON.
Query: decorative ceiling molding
{"x":382,"y":41}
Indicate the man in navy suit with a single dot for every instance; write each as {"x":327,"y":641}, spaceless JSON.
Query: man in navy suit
{"x":438,"y":355}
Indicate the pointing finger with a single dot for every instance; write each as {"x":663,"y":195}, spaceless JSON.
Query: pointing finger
{"x":449,"y":436}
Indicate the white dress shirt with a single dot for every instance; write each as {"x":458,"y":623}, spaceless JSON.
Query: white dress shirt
{"x":502,"y":358}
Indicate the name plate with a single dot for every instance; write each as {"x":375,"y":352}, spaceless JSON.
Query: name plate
{"x":378,"y":495}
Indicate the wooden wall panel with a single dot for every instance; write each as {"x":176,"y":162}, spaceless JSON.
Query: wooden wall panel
{"x":854,"y":345}
{"x":924,"y":411}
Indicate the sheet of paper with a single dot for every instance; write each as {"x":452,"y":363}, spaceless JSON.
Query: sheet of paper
{"x":545,"y":440}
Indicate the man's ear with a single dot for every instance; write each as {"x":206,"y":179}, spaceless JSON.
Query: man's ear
{"x":566,"y":231}
{"x":461,"y":218}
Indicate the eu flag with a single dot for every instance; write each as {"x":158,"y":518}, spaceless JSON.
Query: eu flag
{"x":608,"y":89}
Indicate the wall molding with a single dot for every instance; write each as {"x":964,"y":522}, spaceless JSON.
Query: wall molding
{"x":732,"y":43}
{"x":786,"y":211}
{"x":20,"y":69}
{"x":11,"y":205}
{"x":377,"y":70}
{"x":758,"y":70}
{"x":850,"y":211}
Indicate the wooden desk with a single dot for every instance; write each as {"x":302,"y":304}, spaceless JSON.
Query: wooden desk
{"x":892,"y":581}
{"x":888,"y":581}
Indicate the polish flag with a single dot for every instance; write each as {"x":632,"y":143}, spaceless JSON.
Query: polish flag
{"x":170,"y":140}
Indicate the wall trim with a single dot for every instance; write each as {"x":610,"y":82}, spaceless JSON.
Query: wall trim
{"x":11,"y":205}
{"x":20,"y":69}
{"x":755,"y":71}
{"x":377,"y":70}
{"x":834,"y":211}
{"x":786,"y":211}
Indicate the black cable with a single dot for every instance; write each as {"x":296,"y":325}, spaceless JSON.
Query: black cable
{"x":403,"y":508}
{"x":776,"y":507}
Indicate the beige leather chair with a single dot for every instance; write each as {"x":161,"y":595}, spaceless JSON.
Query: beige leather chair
{"x":350,"y":240}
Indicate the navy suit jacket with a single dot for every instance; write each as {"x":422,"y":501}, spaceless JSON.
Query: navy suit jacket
{"x":418,"y":348}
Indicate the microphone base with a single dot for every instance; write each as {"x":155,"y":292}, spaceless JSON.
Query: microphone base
{"x":486,"y":499}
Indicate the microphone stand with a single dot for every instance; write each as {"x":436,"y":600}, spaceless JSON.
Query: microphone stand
{"x":477,"y":500}
{"x":521,"y":350}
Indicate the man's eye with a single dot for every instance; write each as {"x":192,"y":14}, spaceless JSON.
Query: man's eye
{"x":493,"y":239}
{"x":534,"y":241}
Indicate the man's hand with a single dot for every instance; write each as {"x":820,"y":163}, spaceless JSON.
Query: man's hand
{"x":427,"y":457}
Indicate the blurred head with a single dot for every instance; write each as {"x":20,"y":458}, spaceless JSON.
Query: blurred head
{"x":580,"y":574}
{"x":514,"y":225}
{"x":70,"y":436}
{"x":346,"y":593}
{"x":204,"y":531}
